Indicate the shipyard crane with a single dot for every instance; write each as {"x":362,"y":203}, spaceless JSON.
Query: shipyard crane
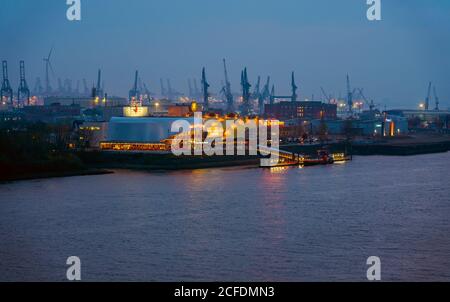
{"x":436,"y":99}
{"x":67,"y":86}
{"x":48,"y":67}
{"x":294,"y":88}
{"x":293,"y":97}
{"x":77,"y":89}
{"x":266,"y":91}
{"x":326,"y":96}
{"x":272,"y":95}
{"x":85,"y":88}
{"x":163,"y":90}
{"x":147,"y":91}
{"x":227,"y":89}
{"x":23,"y":91}
{"x":427,"y":99}
{"x":349,"y":95}
{"x":205,"y":87}
{"x":6,"y":90}
{"x":245,"y":92}
{"x":134,"y":92}
{"x":99,"y":89}
{"x":60,"y":87}
{"x":169,"y":90}
{"x":257,"y":91}
{"x":38,"y":89}
{"x":257,"y":94}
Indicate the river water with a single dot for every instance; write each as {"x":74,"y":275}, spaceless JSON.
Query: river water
{"x":234,"y":224}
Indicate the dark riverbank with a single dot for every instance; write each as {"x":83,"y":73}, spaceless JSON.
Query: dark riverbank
{"x":399,"y":146}
{"x":405,"y":146}
{"x":145,"y":161}
{"x":97,"y":162}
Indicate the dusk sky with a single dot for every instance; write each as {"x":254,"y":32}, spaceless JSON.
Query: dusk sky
{"x":321,"y":40}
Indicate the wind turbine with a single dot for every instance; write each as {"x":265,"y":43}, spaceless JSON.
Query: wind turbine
{"x":48,"y":65}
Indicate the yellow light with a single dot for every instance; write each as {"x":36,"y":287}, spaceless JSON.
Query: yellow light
{"x":194,"y":106}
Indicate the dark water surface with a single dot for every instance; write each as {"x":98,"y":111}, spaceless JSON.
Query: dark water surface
{"x":234,"y":224}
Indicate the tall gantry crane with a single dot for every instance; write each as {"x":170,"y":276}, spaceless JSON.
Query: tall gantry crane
{"x":38,"y":89}
{"x":266,"y":91}
{"x":227,"y":90}
{"x":99,"y":89}
{"x":293,"y":97}
{"x":349,"y":95}
{"x":294,"y":88}
{"x":436,"y":99}
{"x":6,"y":90}
{"x":427,"y":99}
{"x":85,"y":88}
{"x":134,"y":92}
{"x":205,"y":87}
{"x":257,"y":95}
{"x":245,"y":92}
{"x":23,"y":91}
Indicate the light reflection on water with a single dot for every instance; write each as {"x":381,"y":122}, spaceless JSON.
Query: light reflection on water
{"x":234,"y":224}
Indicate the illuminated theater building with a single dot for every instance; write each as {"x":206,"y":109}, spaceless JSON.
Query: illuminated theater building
{"x":140,"y":134}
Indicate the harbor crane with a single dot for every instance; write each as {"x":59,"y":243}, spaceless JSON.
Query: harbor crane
{"x":327,"y":97}
{"x":77,"y":88}
{"x":6,"y":90}
{"x":23,"y":91}
{"x":293,"y":97}
{"x":349,"y":95}
{"x":436,"y":99}
{"x":227,"y":90}
{"x":294,"y":88}
{"x":170,"y":93}
{"x":85,"y":88}
{"x":38,"y":89}
{"x":148,"y":93}
{"x":163,"y":90}
{"x":60,"y":87}
{"x":427,"y":99}
{"x":134,"y":92}
{"x":205,"y":87}
{"x":266,"y":91}
{"x":245,"y":92}
{"x":99,"y":89}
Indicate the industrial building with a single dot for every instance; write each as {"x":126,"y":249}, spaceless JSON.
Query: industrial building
{"x":301,"y":109}
{"x":86,"y":102}
{"x":391,"y":126}
{"x":431,"y":119}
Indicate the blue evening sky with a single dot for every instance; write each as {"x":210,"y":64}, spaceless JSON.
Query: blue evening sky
{"x":321,"y":40}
